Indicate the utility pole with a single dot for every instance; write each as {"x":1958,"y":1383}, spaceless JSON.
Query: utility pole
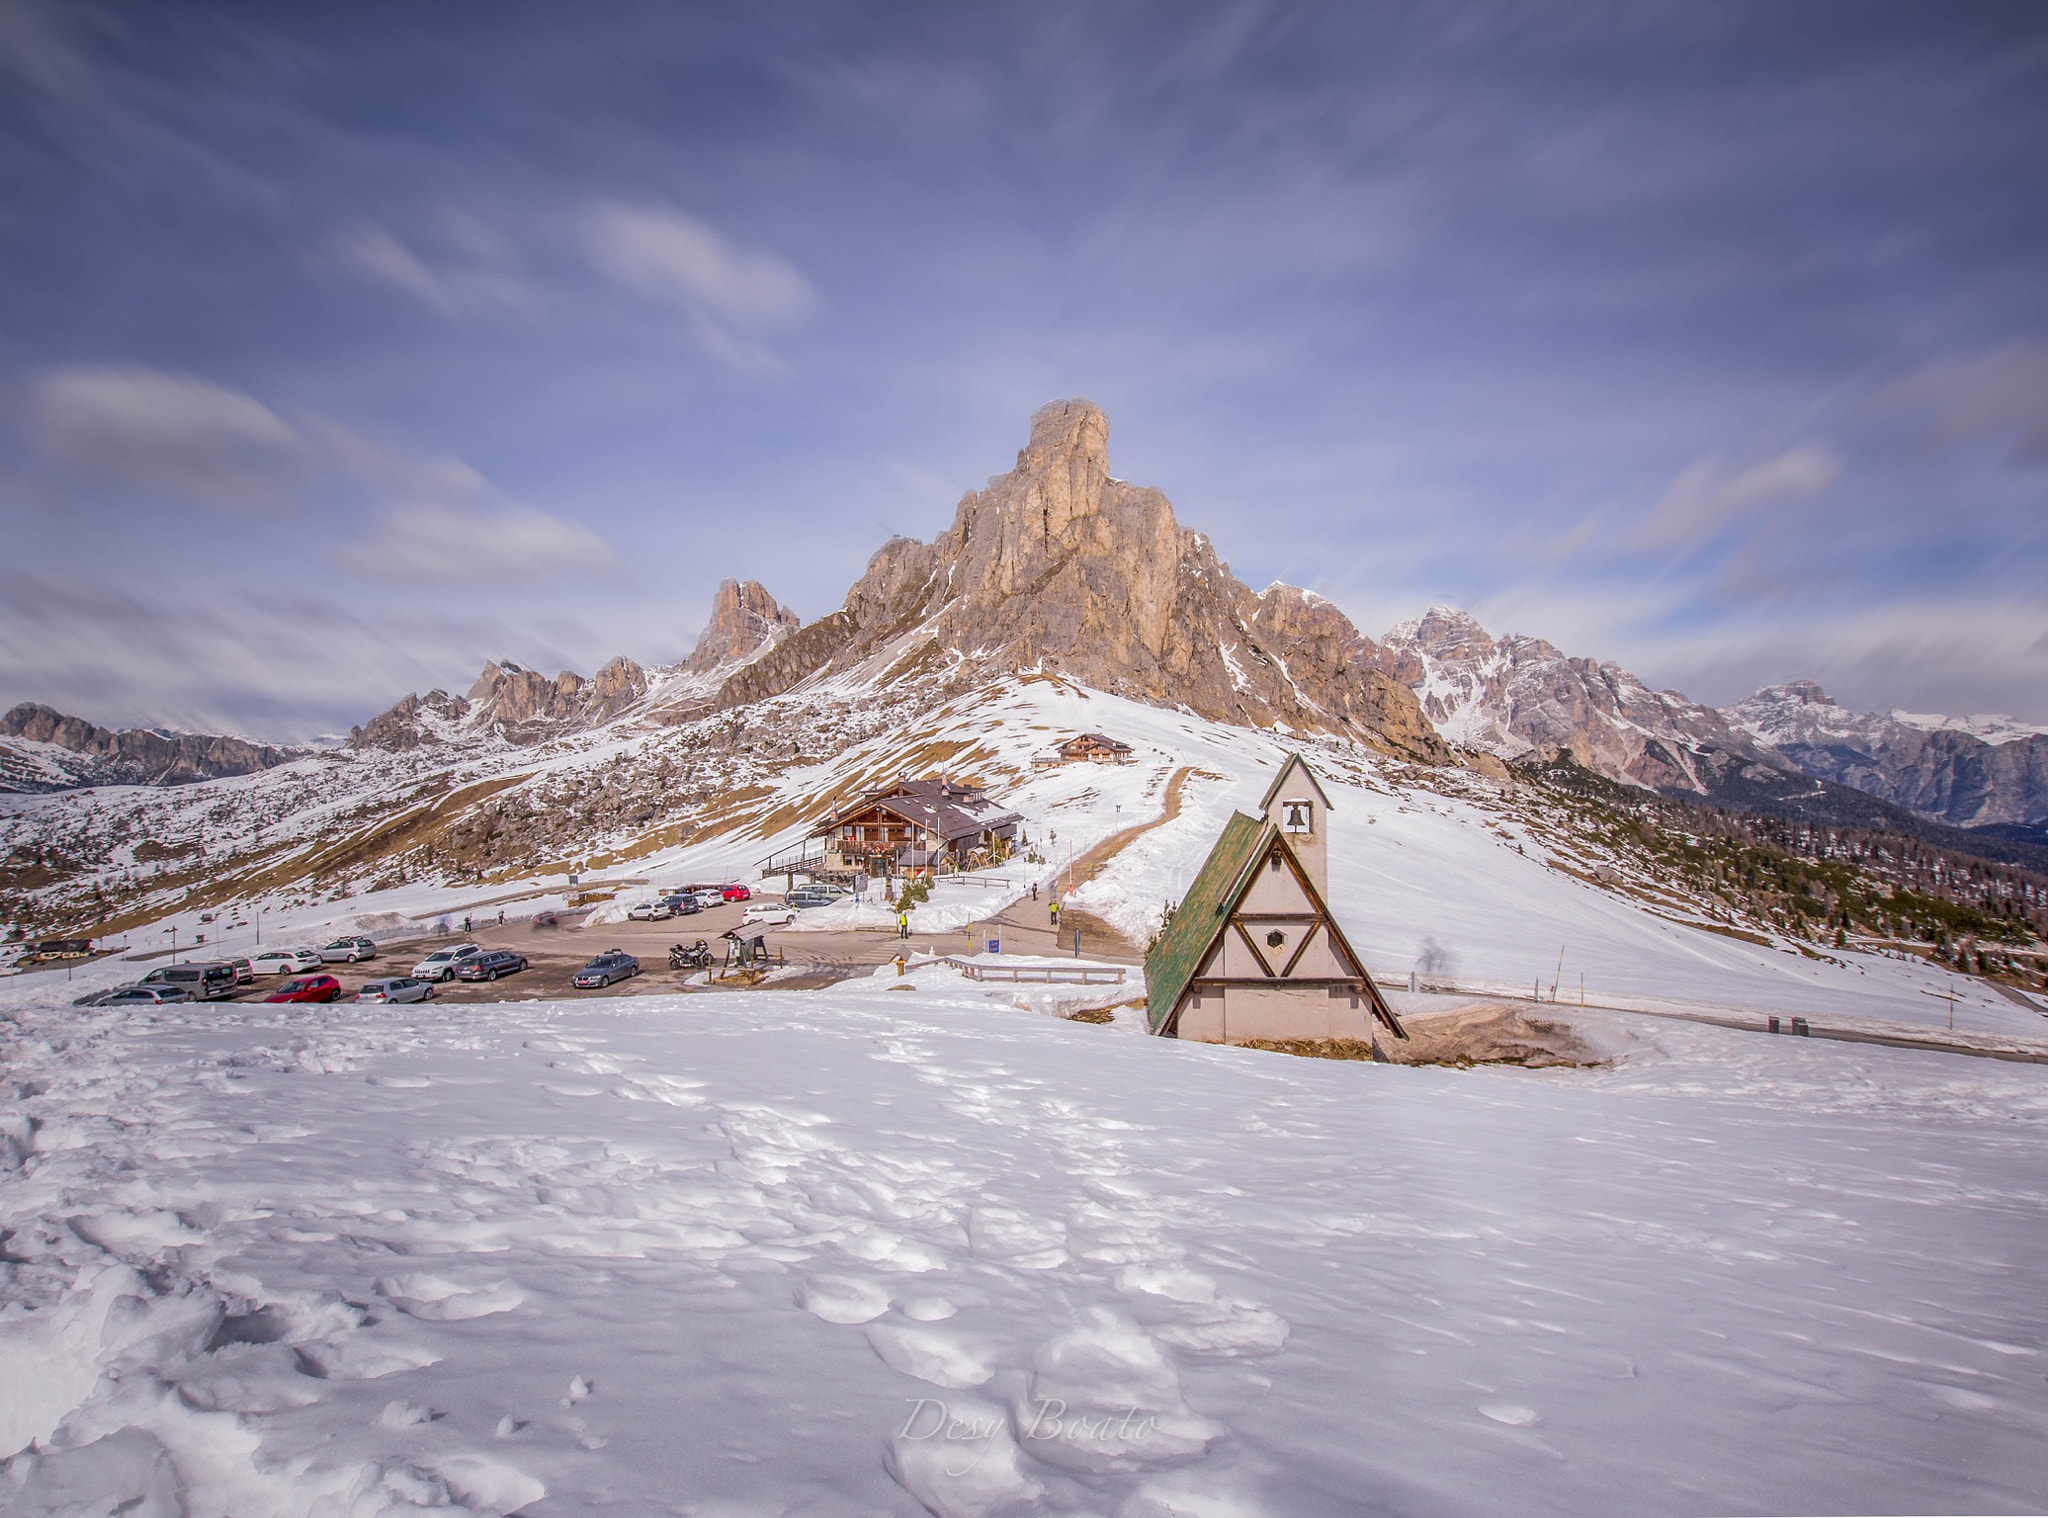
{"x":1950,"y":996}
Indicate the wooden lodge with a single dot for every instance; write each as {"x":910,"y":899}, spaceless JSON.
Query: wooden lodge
{"x":1094,"y":748}
{"x":918,"y":825}
{"x":1086,"y":748}
{"x":1254,"y":952}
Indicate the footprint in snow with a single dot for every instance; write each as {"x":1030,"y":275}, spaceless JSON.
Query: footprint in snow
{"x":1182,"y":1310}
{"x":1104,"y":1399}
{"x":844,"y":1299}
{"x":436,"y":1299}
{"x":943,"y":1359}
{"x":1511,"y":1413}
{"x":959,"y":1459}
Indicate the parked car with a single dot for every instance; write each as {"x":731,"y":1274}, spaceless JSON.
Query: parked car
{"x":244,"y":971}
{"x":767,"y":913}
{"x":134,"y":996}
{"x":650,"y":911}
{"x":443,"y":963}
{"x":736,"y":893}
{"x":203,"y":982}
{"x":396,"y":988}
{"x":284,"y":961}
{"x":613,"y":964}
{"x":804,"y":898}
{"x":307,"y":988}
{"x":347,"y":951}
{"x":490,"y":964}
{"x":683,"y":904}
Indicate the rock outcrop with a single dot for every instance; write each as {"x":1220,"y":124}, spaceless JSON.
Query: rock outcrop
{"x":413,"y":720}
{"x":1058,"y":566}
{"x":77,"y":753}
{"x":745,"y":622}
{"x":1938,"y":767}
{"x":521,"y":704}
{"x":1519,"y":697}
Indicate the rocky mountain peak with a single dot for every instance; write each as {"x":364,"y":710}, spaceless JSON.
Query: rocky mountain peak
{"x":1949,"y":768}
{"x":1445,"y":632}
{"x":514,"y":698}
{"x":1058,"y":565}
{"x":1792,"y":692}
{"x":744,"y":621}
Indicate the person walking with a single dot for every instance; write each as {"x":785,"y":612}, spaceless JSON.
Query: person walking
{"x":501,"y":917}
{"x":902,"y":924}
{"x":1055,"y":914}
{"x":1034,"y":890}
{"x":466,"y":928}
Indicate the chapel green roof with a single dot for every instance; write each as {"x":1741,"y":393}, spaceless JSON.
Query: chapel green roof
{"x":1178,"y":954}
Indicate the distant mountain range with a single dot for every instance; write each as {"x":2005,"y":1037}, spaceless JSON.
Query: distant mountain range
{"x":42,"y":749}
{"x":1059,"y":567}
{"x":1519,"y":696}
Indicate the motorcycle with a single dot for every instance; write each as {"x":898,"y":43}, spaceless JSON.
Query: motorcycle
{"x":696,"y":957}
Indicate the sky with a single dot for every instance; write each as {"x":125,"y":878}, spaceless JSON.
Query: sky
{"x":345,"y":347}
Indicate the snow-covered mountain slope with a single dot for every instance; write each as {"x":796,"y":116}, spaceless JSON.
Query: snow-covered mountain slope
{"x":1434,"y":865}
{"x":1992,"y":727}
{"x":1943,"y":767}
{"x":883,"y":1251}
{"x":1516,"y":695}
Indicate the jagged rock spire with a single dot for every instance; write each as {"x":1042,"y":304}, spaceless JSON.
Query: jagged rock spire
{"x":745,"y":619}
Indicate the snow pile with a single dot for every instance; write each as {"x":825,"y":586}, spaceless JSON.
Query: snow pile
{"x":863,"y":1250}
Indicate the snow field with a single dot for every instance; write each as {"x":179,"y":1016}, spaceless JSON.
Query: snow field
{"x":869,"y":1251}
{"x":1418,"y":879}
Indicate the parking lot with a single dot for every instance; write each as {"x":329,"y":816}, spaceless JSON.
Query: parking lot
{"x":553,"y":954}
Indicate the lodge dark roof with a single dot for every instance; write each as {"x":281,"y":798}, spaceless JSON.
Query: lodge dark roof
{"x":949,"y":810}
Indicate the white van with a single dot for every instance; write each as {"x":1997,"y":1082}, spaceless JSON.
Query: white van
{"x":205,"y":982}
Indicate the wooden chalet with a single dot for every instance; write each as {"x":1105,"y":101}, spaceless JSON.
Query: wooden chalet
{"x":1254,"y":951}
{"x":1094,"y":748}
{"x":918,"y":825}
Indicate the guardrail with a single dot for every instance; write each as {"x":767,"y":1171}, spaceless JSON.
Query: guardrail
{"x":1064,"y":975}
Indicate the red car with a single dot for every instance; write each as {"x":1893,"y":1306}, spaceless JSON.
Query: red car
{"x":736,"y":893}
{"x":307,"y":988}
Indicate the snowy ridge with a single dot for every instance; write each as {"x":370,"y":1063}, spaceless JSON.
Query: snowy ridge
{"x":1993,"y":728}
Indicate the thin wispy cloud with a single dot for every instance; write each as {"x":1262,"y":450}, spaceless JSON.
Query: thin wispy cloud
{"x":2002,"y":394}
{"x":733,"y":298}
{"x":170,"y":433}
{"x":1659,"y":326}
{"x":184,"y":437}
{"x":453,"y":282}
{"x":1708,"y":498}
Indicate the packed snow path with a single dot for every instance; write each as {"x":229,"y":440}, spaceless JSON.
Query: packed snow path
{"x":867,"y":1251}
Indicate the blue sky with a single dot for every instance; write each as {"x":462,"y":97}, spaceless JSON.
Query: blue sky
{"x":344,"y":347}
